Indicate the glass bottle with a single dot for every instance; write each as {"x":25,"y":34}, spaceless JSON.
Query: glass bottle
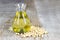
{"x":21,"y":22}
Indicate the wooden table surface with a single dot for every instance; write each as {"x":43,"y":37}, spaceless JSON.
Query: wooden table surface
{"x":48,"y":12}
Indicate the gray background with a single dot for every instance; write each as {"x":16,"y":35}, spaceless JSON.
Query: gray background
{"x":48,"y":13}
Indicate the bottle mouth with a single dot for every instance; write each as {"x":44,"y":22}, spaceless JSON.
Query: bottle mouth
{"x":21,"y":6}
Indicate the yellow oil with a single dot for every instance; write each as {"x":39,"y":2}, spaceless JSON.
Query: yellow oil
{"x":21,"y":22}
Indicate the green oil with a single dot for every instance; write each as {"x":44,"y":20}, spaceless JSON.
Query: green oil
{"x":21,"y":22}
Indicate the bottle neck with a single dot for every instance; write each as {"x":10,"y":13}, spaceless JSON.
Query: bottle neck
{"x":20,"y":7}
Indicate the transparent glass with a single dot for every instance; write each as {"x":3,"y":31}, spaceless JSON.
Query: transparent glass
{"x":7,"y":14}
{"x":21,"y":22}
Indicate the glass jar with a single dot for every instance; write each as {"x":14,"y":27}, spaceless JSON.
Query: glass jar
{"x":21,"y":22}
